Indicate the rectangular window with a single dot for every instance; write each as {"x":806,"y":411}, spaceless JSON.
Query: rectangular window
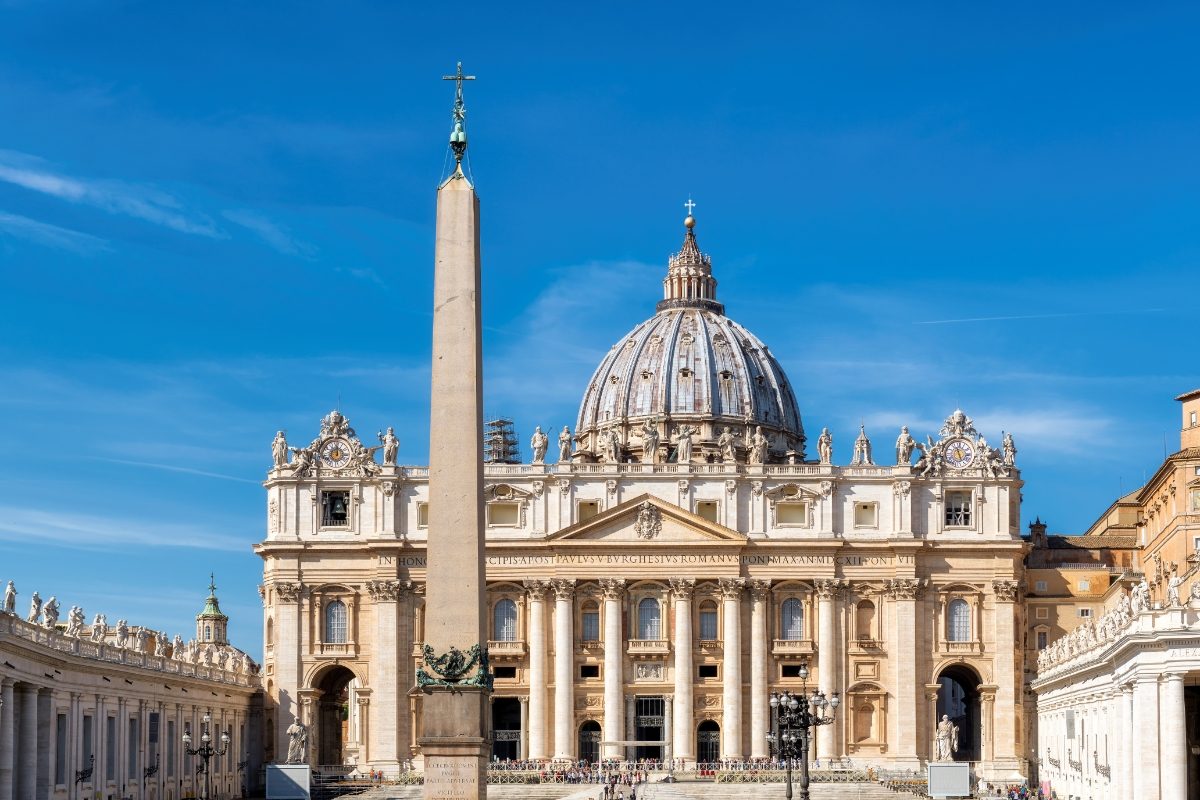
{"x":586,"y":509}
{"x":110,"y":749}
{"x":132,"y":745}
{"x":589,"y":670}
{"x":506,"y":673}
{"x":1041,"y":640}
{"x":1042,"y":613}
{"x":707,"y":670}
{"x":791,"y":514}
{"x":958,"y":509}
{"x":591,"y":626}
{"x":1085,"y":612}
{"x":422,"y":515}
{"x":707,"y":509}
{"x":60,"y":749}
{"x":789,"y":670}
{"x":335,"y":509}
{"x":504,"y":515}
{"x":708,"y":624}
{"x":1192,"y":418}
{"x":171,"y":748}
{"x":865,"y":515}
{"x":1040,"y":586}
{"x":1194,"y":501}
{"x":1085,"y":586}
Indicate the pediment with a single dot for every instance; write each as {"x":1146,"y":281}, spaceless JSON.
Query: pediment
{"x":648,"y":520}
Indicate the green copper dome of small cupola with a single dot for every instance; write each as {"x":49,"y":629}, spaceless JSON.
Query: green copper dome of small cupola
{"x":211,"y":622}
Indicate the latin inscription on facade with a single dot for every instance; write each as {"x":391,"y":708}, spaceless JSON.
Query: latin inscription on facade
{"x":761,"y":560}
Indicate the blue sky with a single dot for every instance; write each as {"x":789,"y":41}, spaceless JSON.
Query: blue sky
{"x":216,"y":221}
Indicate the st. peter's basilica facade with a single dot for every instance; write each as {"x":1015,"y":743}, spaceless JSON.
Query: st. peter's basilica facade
{"x":680,"y":560}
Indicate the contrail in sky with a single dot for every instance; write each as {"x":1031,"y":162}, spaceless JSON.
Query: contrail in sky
{"x":1038,"y":316}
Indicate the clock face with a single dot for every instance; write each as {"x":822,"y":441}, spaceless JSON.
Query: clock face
{"x":960,"y":453}
{"x":336,"y":453}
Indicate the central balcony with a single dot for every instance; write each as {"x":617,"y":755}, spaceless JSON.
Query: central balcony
{"x":792,"y":647}
{"x":648,"y":648}
{"x":508,"y":650}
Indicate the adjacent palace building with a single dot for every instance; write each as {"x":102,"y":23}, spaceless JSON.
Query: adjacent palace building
{"x":656,"y":573}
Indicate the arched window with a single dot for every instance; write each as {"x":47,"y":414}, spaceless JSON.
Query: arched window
{"x":708,"y":621}
{"x":864,"y":620}
{"x":504,"y":621}
{"x":208,"y":633}
{"x":649,"y":619}
{"x":335,"y":622}
{"x":959,"y":614}
{"x":791,"y":620}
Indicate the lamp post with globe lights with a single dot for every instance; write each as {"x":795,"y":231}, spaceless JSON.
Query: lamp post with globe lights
{"x":793,"y":716}
{"x":206,"y":750}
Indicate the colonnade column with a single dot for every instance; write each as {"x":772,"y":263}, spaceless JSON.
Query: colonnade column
{"x":614,"y":683}
{"x":7,"y":737}
{"x":1006,"y":678}
{"x":760,"y":592}
{"x":1145,"y":738}
{"x":385,"y":674}
{"x":1124,"y":728}
{"x":27,"y":758}
{"x":731,"y":702}
{"x":827,"y":650}
{"x":907,"y":642}
{"x":537,"y":670}
{"x":523,"y":750}
{"x":564,"y":663}
{"x":681,"y":734}
{"x":1172,"y":743}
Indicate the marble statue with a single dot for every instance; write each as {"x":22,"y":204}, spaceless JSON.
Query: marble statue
{"x":564,"y":445}
{"x":177,"y":648}
{"x":391,"y":446}
{"x":35,"y":609}
{"x":1194,"y":593}
{"x":610,"y":445}
{"x":758,"y":446}
{"x":862,"y":449}
{"x":1139,"y":599}
{"x":1173,"y":591}
{"x":207,"y":656}
{"x":99,"y":628}
{"x":143,"y":640}
{"x":947,"y":739}
{"x":904,"y":447}
{"x":122,"y":633}
{"x":160,"y":644}
{"x":235,"y":662}
{"x":10,"y":599}
{"x":279,"y":450}
{"x":683,"y":444}
{"x":538,"y":444}
{"x":364,"y":457}
{"x":726,"y":443}
{"x":75,"y":621}
{"x":297,"y":735}
{"x":649,"y":442}
{"x":50,"y":610}
{"x":222,"y":659}
{"x":1010,"y":450}
{"x":303,"y":461}
{"x":825,"y":446}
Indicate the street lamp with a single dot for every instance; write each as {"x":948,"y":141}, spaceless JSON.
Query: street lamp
{"x":206,"y":750}
{"x":792,"y":718}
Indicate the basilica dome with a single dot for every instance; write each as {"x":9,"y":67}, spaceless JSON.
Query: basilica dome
{"x":689,"y":369}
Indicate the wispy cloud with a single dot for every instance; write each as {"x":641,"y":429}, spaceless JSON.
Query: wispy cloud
{"x":175,"y":468}
{"x":116,"y":197}
{"x":44,"y":233}
{"x":86,"y":532}
{"x":364,"y":274}
{"x":274,"y":234}
{"x":1040,"y":316}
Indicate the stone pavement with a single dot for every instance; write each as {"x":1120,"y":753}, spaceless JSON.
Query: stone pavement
{"x":685,"y":790}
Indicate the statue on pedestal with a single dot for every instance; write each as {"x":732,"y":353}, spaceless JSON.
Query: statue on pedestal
{"x":75,"y":620}
{"x":1173,"y":591}
{"x":538,"y":444}
{"x":683,"y":444}
{"x":35,"y":609}
{"x":1010,"y":450}
{"x":564,"y":445}
{"x":649,"y":442}
{"x":51,"y":611}
{"x":391,"y":446}
{"x":725,"y":442}
{"x":99,"y":628}
{"x":904,"y":447}
{"x":825,"y":446}
{"x":279,"y":450}
{"x":297,"y":743}
{"x":10,"y":599}
{"x":758,"y":446}
{"x":122,"y":633}
{"x":946,"y":742}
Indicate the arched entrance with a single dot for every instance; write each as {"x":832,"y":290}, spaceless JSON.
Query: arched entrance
{"x":333,"y":715}
{"x":589,"y":741}
{"x":958,"y":699}
{"x":708,"y":742}
{"x":506,"y":728}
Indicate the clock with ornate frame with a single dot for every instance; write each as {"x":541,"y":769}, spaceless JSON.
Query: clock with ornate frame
{"x":959,"y":453}
{"x":335,"y":453}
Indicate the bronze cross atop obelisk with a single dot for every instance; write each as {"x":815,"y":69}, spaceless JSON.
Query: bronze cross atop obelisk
{"x":458,"y":136}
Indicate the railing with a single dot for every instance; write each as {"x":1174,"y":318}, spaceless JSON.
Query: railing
{"x":792,"y":647}
{"x":506,"y":649}
{"x":335,"y":648}
{"x":648,"y":646}
{"x":773,"y":775}
{"x":961,"y":647}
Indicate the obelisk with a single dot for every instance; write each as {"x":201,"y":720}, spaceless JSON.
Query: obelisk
{"x":454,"y":674}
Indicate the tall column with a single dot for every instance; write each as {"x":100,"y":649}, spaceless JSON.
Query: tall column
{"x":564,"y":666}
{"x":1125,"y":742}
{"x":681,"y":735}
{"x":987,"y":722}
{"x":8,"y":736}
{"x":614,"y":655}
{"x":523,"y":750}
{"x":1007,"y":675}
{"x":1173,"y":739}
{"x":630,"y":723}
{"x":1145,"y":738}
{"x":760,"y":592}
{"x":384,"y":725}
{"x":285,"y":603}
{"x":731,"y":702}
{"x":27,"y":757}
{"x":537,"y":669}
{"x":45,"y":741}
{"x":907,"y":593}
{"x":931,"y":697}
{"x":827,"y":652}
{"x":453,"y":736}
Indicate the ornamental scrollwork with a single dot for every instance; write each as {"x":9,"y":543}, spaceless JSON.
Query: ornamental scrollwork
{"x":385,"y":590}
{"x":288,"y":592}
{"x":1006,"y":591}
{"x":451,"y":668}
{"x":649,"y":521}
{"x":906,"y":588}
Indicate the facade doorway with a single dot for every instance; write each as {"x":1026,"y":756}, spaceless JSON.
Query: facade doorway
{"x":958,"y":699}
{"x":589,"y":741}
{"x":708,"y":742}
{"x":648,"y":727}
{"x":333,"y":715}
{"x":506,"y":728}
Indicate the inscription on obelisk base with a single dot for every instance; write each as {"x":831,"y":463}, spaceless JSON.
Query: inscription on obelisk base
{"x":455,"y":765}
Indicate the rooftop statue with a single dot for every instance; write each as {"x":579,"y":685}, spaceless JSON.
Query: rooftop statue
{"x":650,"y":441}
{"x":825,"y":446}
{"x":279,"y":450}
{"x":538,"y":444}
{"x":391,"y":446}
{"x":564,"y":445}
{"x":905,"y":445}
{"x":10,"y":599}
